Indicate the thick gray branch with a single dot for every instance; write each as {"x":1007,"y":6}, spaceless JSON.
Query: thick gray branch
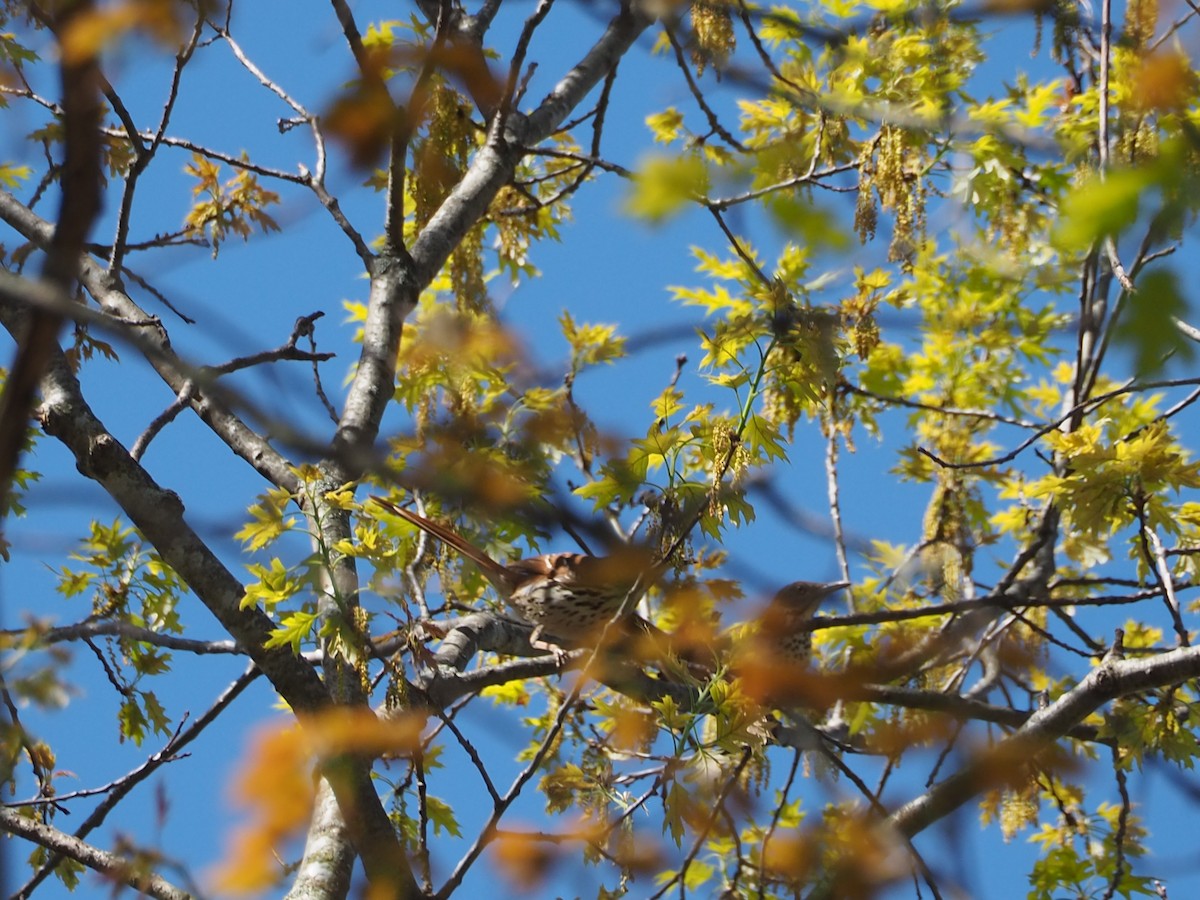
{"x":485,"y":632}
{"x":601,"y":59}
{"x":158,"y":514}
{"x":397,"y":278}
{"x":328,"y":863}
{"x":954,"y":705}
{"x":494,"y":164}
{"x":393,"y":296}
{"x":1044,"y":728}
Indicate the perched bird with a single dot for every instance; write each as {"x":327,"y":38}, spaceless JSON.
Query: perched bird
{"x":569,"y":596}
{"x":771,"y":660}
{"x":783,"y":631}
{"x":573,"y":596}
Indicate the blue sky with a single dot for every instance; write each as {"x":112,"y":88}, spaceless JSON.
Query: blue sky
{"x":606,"y":268}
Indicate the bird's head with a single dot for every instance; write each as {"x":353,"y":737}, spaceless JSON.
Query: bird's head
{"x":800,"y":599}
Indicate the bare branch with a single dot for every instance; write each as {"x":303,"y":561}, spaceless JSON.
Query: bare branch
{"x":1044,"y":727}
{"x":1083,"y":406}
{"x":119,"y":789}
{"x":163,"y":419}
{"x":121,"y":869}
{"x":153,"y":342}
{"x":714,"y":123}
{"x":117,"y":628}
{"x":144,"y":153}
{"x":158,"y":513}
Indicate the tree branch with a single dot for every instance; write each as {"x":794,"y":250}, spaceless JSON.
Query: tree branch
{"x":117,"y":628}
{"x":158,"y":514}
{"x":156,"y":346}
{"x":116,"y":792}
{"x":129,"y":872}
{"x":1008,"y":757}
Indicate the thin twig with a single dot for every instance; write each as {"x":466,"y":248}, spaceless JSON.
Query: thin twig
{"x":1083,"y":406}
{"x":1122,"y":826}
{"x":168,"y":415}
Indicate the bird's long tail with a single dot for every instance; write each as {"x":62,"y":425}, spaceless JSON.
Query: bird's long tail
{"x":497,"y":574}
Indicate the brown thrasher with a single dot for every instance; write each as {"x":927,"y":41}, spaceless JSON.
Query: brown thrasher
{"x":783,"y":633}
{"x":569,"y":596}
{"x":771,"y":661}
